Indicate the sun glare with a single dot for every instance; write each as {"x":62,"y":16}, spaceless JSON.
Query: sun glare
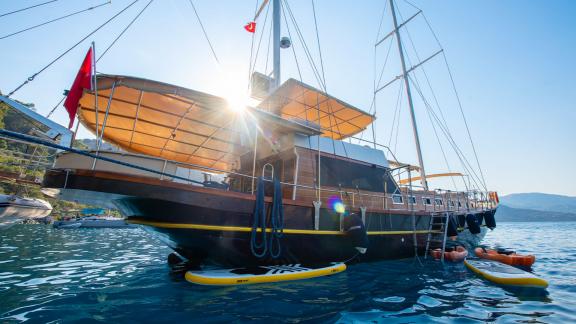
{"x":235,"y":91}
{"x":237,"y":101}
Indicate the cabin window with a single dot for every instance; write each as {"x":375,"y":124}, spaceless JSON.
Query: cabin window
{"x":427,"y":201}
{"x":397,"y":199}
{"x":438,"y":202}
{"x":347,"y":174}
{"x":459,"y":204}
{"x":451,"y":203}
{"x":412,"y":200}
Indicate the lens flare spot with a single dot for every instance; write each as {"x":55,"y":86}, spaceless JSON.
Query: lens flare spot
{"x":336,"y":204}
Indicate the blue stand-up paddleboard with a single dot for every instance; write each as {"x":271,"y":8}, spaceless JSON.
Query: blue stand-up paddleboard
{"x":504,"y":274}
{"x":261,"y":274}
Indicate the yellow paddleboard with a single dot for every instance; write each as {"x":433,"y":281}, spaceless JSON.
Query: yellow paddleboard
{"x":504,"y":274}
{"x":261,"y":274}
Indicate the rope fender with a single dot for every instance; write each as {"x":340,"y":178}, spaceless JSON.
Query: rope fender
{"x":263,"y":245}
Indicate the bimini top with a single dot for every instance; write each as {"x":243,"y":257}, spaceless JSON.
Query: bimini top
{"x":174,"y":123}
{"x":298,"y":101}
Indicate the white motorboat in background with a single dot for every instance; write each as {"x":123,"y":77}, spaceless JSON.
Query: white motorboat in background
{"x":14,"y":209}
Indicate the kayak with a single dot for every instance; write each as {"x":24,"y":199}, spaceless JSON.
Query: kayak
{"x":509,"y":258}
{"x":504,"y":274}
{"x":261,"y":274}
{"x":456,"y":255}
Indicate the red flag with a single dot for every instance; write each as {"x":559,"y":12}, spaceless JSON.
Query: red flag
{"x":82,"y":81}
{"x":250,"y":27}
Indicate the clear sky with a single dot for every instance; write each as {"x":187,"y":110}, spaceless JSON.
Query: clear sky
{"x":513,"y":63}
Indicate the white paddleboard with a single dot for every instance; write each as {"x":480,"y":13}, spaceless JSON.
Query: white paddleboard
{"x":261,"y":274}
{"x":504,"y":274}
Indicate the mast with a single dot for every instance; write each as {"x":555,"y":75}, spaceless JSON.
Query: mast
{"x":276,"y":42}
{"x":409,"y":95}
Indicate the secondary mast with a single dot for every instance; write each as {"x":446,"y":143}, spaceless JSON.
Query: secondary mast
{"x":409,"y":95}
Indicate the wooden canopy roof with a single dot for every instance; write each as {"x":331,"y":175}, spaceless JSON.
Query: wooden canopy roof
{"x":298,"y":101}
{"x":174,"y":123}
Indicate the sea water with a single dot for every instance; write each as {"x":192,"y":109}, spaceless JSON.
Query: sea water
{"x":121,"y":275}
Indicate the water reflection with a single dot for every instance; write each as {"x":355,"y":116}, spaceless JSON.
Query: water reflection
{"x":121,"y":275}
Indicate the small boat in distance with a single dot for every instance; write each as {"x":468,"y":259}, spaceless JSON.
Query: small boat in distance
{"x":90,"y":218}
{"x":14,"y":209}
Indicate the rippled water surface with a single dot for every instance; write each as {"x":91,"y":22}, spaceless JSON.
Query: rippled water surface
{"x":121,"y":275}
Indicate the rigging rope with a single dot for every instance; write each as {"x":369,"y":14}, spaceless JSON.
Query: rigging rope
{"x":204,"y":31}
{"x":123,"y":31}
{"x":456,"y":94}
{"x":268,"y":50}
{"x":423,"y":69}
{"x":293,"y":47}
{"x":56,"y":106}
{"x":252,"y":50}
{"x":54,"y":20}
{"x":325,"y":88}
{"x":253,"y":65}
{"x":33,"y":76}
{"x":451,"y":140}
{"x":320,"y":78}
{"x":23,"y":9}
{"x":465,"y":121}
{"x":319,"y":47}
{"x":304,"y":45}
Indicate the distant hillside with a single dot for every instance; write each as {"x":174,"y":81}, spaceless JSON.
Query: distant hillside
{"x":91,"y":144}
{"x":509,"y":214}
{"x":540,"y":201}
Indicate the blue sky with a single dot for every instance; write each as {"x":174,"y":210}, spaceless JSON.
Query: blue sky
{"x":513,"y":63}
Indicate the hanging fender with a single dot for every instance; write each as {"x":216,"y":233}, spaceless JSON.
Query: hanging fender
{"x":356,"y":231}
{"x":472,"y":223}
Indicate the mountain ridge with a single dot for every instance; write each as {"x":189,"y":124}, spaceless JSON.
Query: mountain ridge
{"x":540,"y":201}
{"x":536,"y":207}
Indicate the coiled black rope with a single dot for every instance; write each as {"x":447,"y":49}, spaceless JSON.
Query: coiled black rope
{"x":259,"y":248}
{"x":277,"y":220}
{"x":263,"y":245}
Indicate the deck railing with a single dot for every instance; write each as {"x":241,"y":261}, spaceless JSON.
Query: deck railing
{"x":451,"y":200}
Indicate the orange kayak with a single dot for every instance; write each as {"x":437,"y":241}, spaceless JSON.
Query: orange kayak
{"x":512,"y":259}
{"x":457,"y":255}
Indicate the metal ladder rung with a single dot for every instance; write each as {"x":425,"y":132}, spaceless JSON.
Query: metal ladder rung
{"x":440,"y":228}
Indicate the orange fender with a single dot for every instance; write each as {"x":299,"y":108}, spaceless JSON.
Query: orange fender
{"x":510,"y":259}
{"x":453,"y":256}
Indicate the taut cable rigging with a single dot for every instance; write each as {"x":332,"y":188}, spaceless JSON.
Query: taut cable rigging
{"x":204,"y":31}
{"x":27,"y":8}
{"x":33,"y":76}
{"x":54,"y":20}
{"x":124,"y":31}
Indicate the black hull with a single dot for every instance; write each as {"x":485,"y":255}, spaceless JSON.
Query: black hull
{"x":233,"y":248}
{"x":205,"y":235}
{"x":214,"y":226}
